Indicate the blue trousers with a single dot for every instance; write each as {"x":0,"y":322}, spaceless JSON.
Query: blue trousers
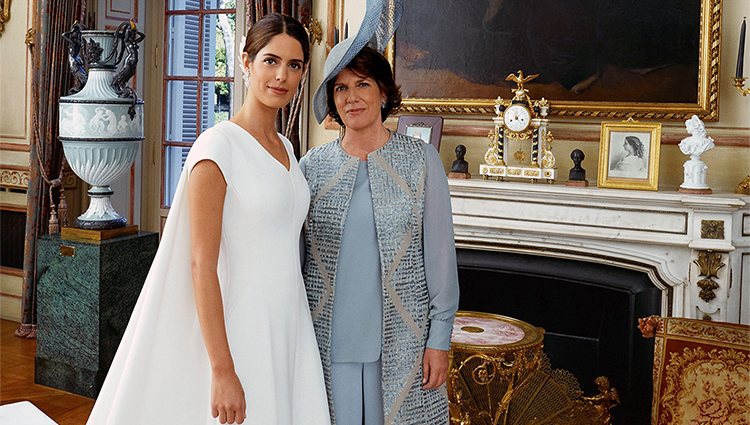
{"x":357,"y":393}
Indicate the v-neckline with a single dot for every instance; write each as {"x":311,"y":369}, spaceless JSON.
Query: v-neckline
{"x":263,"y":148}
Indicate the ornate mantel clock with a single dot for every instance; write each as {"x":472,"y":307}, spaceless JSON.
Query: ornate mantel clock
{"x":521,"y":127}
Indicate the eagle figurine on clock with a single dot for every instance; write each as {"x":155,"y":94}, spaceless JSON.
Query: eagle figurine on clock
{"x":520,"y":122}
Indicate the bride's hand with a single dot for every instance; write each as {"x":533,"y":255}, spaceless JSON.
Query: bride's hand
{"x":227,"y":398}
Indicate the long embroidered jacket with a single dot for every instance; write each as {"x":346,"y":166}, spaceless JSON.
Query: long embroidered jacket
{"x":397,"y":181}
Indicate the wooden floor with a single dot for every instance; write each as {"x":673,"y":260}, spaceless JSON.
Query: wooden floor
{"x":17,"y":381}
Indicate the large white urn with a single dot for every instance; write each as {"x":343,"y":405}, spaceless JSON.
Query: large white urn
{"x":101,"y":124}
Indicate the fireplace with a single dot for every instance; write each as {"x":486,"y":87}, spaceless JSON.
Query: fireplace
{"x":588,"y":312}
{"x":585,"y":263}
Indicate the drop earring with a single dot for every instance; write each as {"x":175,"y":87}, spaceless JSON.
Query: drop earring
{"x":246,"y":76}
{"x":240,"y":56}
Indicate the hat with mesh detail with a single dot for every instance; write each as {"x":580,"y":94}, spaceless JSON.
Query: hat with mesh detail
{"x":378,"y":26}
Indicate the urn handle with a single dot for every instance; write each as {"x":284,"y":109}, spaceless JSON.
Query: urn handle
{"x":77,"y":56}
{"x":127,"y":38}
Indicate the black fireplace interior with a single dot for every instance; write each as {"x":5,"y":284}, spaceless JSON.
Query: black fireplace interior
{"x":588,"y":310}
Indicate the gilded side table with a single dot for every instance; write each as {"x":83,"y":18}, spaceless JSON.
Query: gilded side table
{"x":490,"y":354}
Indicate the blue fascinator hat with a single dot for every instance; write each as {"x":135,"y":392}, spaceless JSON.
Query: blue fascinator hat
{"x":378,"y":26}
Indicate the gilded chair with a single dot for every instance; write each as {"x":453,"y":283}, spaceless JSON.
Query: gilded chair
{"x":701,"y":371}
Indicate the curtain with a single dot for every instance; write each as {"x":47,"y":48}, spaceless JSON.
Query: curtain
{"x":302,"y":11}
{"x":50,"y":80}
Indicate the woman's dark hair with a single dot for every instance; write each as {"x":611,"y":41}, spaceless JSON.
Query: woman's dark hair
{"x":369,"y":63}
{"x":636,"y":144}
{"x":271,"y":25}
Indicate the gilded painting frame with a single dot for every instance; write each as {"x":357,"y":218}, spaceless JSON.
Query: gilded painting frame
{"x":706,"y":106}
{"x":626,"y":160}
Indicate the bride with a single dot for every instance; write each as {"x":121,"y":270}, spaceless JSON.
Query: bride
{"x":222,"y":331}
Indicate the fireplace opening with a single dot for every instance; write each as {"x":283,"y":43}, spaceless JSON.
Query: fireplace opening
{"x":588,"y":311}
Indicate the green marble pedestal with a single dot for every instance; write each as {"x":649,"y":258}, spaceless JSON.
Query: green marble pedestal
{"x":86,"y":292}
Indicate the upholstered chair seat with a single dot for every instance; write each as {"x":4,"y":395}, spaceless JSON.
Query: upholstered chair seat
{"x":701,"y":371}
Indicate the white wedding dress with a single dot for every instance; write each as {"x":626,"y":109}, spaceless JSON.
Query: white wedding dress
{"x":160,"y":374}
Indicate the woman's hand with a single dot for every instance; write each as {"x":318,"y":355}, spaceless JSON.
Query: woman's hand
{"x":434,"y":368}
{"x":227,"y":398}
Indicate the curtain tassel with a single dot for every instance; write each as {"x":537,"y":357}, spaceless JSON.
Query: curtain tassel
{"x":54,"y":226}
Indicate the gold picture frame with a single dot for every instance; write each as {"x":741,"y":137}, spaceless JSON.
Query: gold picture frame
{"x":430,"y":88}
{"x":629,"y":155}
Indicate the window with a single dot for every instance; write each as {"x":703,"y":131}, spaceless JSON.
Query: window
{"x":198,"y":78}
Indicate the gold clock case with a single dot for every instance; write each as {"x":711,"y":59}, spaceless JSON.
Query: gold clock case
{"x":535,"y":137}
{"x":524,"y":135}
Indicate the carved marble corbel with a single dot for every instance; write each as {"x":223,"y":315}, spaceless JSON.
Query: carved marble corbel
{"x":714,"y":246}
{"x":709,"y":263}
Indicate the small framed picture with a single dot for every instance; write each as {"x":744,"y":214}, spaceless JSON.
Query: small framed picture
{"x":629,"y":155}
{"x":428,"y":128}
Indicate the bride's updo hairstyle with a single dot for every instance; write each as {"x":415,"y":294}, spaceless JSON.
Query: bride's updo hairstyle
{"x":271,"y":25}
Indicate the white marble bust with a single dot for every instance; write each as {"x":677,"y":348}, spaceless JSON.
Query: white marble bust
{"x":698,"y":142}
{"x":695,"y":145}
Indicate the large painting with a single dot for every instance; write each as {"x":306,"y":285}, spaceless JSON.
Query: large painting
{"x":598,"y":58}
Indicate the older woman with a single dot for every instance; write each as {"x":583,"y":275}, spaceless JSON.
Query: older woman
{"x":380,"y":267}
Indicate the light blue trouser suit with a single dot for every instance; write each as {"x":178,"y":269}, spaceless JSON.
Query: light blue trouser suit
{"x":355,"y":337}
{"x":357,"y":393}
{"x":355,"y":379}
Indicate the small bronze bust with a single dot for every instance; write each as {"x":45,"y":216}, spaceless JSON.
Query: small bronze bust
{"x":577,"y":176}
{"x":460,"y":167}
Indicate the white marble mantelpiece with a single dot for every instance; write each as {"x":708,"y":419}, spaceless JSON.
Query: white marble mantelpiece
{"x":658,"y":233}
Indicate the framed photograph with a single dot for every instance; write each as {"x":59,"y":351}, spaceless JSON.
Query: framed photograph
{"x":629,"y":155}
{"x":425,"y":127}
{"x":595,"y":58}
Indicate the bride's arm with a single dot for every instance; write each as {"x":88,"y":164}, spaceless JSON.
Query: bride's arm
{"x":206,"y":191}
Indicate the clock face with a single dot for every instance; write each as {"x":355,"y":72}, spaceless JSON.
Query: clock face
{"x":517,"y":118}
